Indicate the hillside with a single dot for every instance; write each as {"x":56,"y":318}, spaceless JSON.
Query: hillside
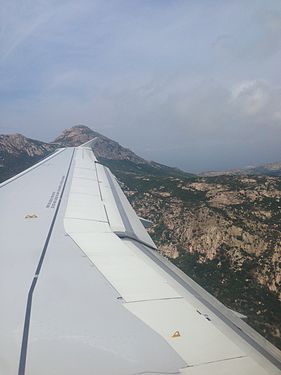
{"x":18,"y":153}
{"x":223,"y":231}
{"x":270,"y":169}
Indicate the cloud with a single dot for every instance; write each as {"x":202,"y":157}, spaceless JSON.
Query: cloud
{"x":250,"y":97}
{"x":179,"y":82}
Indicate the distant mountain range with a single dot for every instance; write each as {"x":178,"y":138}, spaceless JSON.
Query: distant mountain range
{"x":18,"y":152}
{"x":269,"y":169}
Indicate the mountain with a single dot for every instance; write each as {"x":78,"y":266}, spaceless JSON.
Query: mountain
{"x":113,"y":154}
{"x":104,"y":147}
{"x":18,"y":153}
{"x":223,"y":231}
{"x":269,"y":169}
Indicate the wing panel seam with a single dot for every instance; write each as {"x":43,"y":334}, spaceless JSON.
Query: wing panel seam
{"x":23,"y":353}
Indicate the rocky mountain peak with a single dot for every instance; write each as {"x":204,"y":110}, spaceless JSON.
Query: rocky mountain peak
{"x":76,"y":136}
{"x":104,"y":147}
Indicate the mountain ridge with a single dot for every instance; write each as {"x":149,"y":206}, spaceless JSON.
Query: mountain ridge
{"x":14,"y":146}
{"x":17,"y":152}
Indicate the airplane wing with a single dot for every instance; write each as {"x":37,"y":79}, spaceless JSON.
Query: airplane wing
{"x":84,"y":291}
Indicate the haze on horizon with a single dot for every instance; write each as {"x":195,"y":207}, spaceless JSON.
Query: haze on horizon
{"x":194,"y":84}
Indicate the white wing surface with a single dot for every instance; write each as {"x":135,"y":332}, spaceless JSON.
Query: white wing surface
{"x":84,"y":291}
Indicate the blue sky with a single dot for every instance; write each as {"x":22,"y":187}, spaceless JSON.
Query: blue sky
{"x":190,"y":83}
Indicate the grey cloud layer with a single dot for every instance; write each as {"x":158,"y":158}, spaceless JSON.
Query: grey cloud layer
{"x":190,"y":83}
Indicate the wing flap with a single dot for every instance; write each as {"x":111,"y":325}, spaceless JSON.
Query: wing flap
{"x":127,"y":272}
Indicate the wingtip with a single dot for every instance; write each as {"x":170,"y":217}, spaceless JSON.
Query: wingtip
{"x":89,"y":143}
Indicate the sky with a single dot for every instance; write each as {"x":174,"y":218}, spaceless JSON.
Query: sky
{"x":190,"y":83}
